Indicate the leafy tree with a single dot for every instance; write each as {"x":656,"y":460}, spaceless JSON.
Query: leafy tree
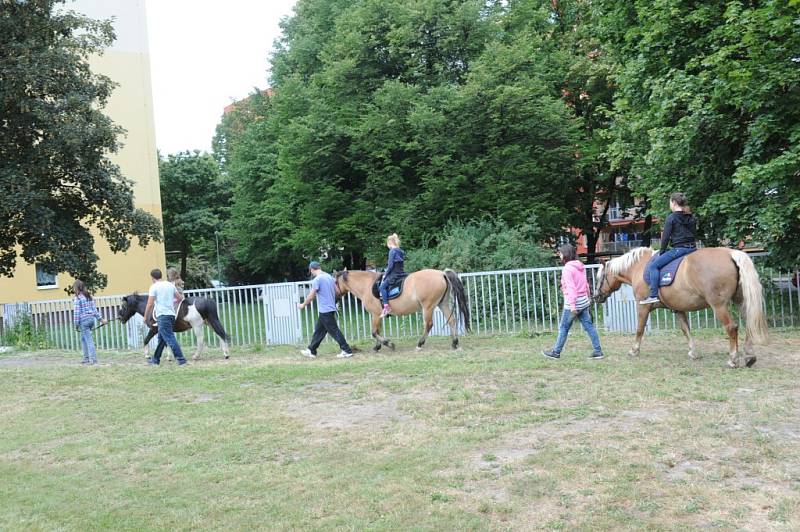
{"x":194,"y":200}
{"x":403,"y":118}
{"x":57,"y":180}
{"x":709,"y":104}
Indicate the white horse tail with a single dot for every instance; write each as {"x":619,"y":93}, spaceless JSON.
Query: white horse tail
{"x":752,"y":297}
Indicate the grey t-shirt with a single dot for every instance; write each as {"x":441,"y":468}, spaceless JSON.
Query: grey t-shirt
{"x":326,"y":292}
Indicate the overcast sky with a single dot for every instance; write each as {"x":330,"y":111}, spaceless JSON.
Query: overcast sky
{"x":204,"y":54}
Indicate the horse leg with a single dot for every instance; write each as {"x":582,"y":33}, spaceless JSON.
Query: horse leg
{"x":642,"y":312}
{"x":446,"y":309}
{"x":749,"y":352}
{"x":376,"y":333}
{"x":199,"y":335}
{"x":684,"y":321}
{"x":427,"y":320}
{"x":730,"y":326}
{"x":150,"y":334}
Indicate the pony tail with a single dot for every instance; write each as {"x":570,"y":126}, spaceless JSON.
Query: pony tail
{"x":393,"y":239}
{"x":752,"y":297}
{"x":459,"y":294}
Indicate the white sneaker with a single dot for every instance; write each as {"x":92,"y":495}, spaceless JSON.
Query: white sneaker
{"x":344,"y":354}
{"x":308,"y":353}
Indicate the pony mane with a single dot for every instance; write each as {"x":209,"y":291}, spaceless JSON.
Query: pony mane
{"x":623,"y":263}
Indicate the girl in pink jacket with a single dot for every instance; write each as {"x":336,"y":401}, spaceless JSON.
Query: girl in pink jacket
{"x":576,"y":303}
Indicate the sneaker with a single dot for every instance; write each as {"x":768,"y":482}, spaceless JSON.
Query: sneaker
{"x":182,"y":362}
{"x":308,"y":353}
{"x":650,"y":300}
{"x":344,"y":354}
{"x":386,"y":311}
{"x":597,"y":355}
{"x":549,"y":353}
{"x":152,"y":362}
{"x":85,"y":362}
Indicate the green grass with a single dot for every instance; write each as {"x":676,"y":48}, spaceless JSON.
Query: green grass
{"x":492,"y":437}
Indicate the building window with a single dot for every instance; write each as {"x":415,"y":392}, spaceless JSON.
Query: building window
{"x":45,"y":279}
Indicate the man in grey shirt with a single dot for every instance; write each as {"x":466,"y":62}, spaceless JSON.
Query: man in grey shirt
{"x":323,"y":288}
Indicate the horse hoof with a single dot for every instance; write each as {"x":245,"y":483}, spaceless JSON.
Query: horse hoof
{"x":633,"y":353}
{"x":391,"y":346}
{"x":377,"y":348}
{"x":227,"y":357}
{"x":418,"y":349}
{"x":195,"y":357}
{"x":732,"y":364}
{"x":750,"y":362}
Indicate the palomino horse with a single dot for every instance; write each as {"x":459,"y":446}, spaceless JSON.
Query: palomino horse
{"x":425,"y":289}
{"x":709,"y":277}
{"x":192,"y":314}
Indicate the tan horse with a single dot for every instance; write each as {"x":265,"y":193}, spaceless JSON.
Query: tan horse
{"x":425,"y":290}
{"x":709,"y":277}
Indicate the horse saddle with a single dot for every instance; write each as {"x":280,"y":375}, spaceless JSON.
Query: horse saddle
{"x":668,"y":272}
{"x":394,"y":289}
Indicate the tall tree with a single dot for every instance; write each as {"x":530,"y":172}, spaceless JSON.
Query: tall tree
{"x":194,"y":200}
{"x":56,"y":178}
{"x":709,"y":103}
{"x":399,"y":116}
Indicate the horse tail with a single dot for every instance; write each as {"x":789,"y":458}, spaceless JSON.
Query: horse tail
{"x":752,"y":297}
{"x":214,"y":321}
{"x":459,"y":294}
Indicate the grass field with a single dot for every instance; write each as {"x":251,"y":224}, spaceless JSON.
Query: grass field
{"x":492,"y":437}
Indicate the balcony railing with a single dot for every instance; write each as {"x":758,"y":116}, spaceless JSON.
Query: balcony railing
{"x":620,"y":247}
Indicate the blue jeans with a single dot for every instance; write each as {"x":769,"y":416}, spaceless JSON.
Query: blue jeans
{"x":87,"y":342}
{"x":566,"y":324}
{"x":383,"y":288}
{"x":166,"y":336}
{"x":653,"y":272}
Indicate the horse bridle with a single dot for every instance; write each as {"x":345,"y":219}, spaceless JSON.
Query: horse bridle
{"x":603,"y":279}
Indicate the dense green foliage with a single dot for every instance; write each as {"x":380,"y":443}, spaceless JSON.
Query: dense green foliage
{"x":709,"y":103}
{"x":403,"y":115}
{"x":59,"y":187}
{"x":481,"y":246}
{"x":194,"y":200}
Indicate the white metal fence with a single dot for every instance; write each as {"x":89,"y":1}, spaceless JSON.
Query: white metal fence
{"x":500,"y":302}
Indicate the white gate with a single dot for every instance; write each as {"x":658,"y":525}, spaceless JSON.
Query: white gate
{"x":281,"y":315}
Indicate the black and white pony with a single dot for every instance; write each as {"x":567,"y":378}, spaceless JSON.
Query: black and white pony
{"x":192,"y":314}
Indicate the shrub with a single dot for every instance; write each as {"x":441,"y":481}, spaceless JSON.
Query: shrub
{"x":23,"y":334}
{"x":484,"y":245}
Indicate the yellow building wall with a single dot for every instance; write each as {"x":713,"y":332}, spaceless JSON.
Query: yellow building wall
{"x":131,"y":106}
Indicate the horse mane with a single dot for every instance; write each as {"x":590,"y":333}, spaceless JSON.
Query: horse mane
{"x":344,"y":274}
{"x":624,"y":262}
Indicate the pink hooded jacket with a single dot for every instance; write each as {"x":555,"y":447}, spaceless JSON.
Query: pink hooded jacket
{"x":573,"y":282}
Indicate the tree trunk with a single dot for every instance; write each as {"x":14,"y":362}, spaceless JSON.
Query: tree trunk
{"x":647,"y":233}
{"x":184,"y":255}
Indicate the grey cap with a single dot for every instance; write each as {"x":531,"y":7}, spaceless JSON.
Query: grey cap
{"x":314,"y":265}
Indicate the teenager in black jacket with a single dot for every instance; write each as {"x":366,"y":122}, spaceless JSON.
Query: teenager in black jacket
{"x":679,"y":231}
